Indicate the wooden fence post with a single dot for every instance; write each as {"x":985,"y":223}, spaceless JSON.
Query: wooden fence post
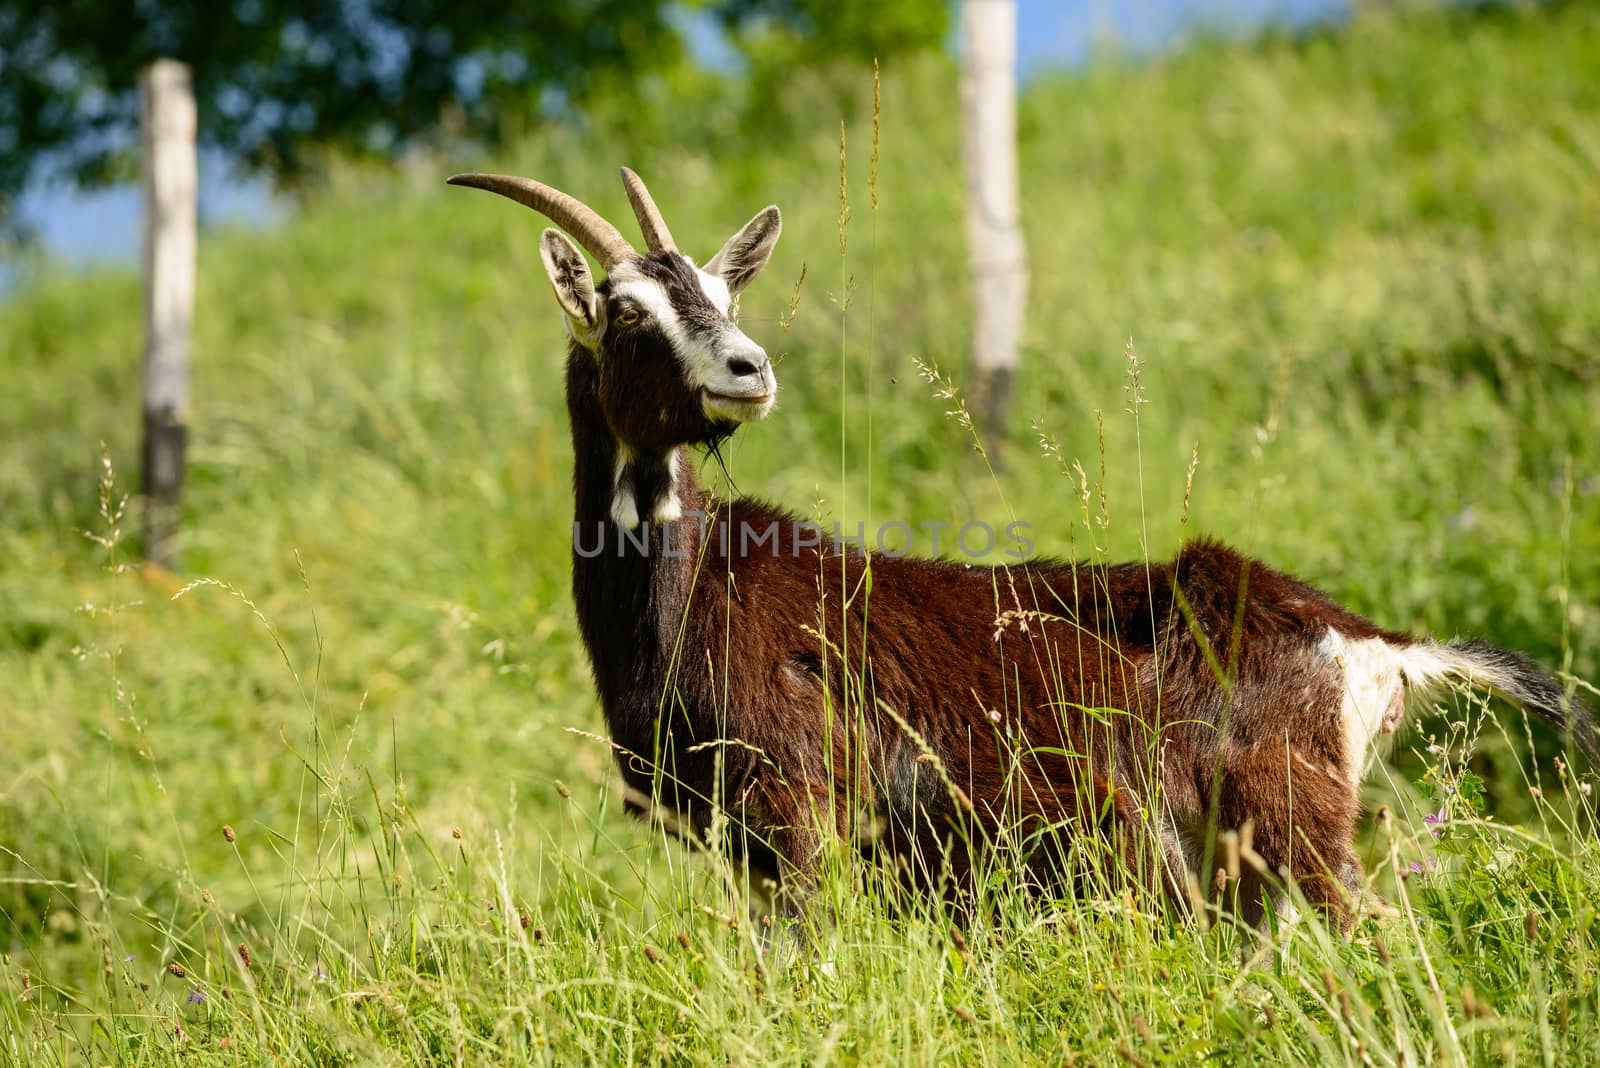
{"x":167,"y":126}
{"x":994,"y":233}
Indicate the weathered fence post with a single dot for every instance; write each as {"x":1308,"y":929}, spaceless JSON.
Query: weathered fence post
{"x":994,"y":233}
{"x":167,"y":125}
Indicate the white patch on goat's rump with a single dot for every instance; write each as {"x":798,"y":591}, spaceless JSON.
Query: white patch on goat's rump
{"x":1373,"y":681}
{"x":1378,"y":678}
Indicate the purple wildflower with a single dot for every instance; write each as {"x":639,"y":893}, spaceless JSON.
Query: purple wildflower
{"x":195,"y":997}
{"x":128,"y":959}
{"x":1435,"y":820}
{"x":1416,"y":868}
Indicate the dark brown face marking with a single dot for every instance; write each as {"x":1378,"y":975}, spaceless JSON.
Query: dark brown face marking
{"x":681,"y":283}
{"x":644,"y":388}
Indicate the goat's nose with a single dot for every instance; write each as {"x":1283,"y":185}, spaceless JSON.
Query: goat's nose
{"x":740,"y":366}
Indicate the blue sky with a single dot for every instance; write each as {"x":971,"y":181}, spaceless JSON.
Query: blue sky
{"x":1062,"y":32}
{"x":85,"y":227}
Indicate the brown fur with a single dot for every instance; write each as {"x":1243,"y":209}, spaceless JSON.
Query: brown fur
{"x":722,"y":639}
{"x":1151,"y":706}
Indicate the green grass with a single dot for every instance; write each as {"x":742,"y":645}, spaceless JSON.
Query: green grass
{"x":1361,"y":270}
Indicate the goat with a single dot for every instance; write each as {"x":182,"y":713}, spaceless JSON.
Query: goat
{"x":1156,"y":704}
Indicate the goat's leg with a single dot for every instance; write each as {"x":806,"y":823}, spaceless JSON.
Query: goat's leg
{"x":1150,"y":845}
{"x":792,"y":835}
{"x":1303,"y":812}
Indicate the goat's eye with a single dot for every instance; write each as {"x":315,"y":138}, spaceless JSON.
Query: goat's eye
{"x":627,"y":317}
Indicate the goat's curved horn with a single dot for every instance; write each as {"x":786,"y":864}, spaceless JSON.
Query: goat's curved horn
{"x":656,"y":235}
{"x":602,"y":240}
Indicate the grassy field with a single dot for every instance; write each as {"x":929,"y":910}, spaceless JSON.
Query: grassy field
{"x":331,"y":795}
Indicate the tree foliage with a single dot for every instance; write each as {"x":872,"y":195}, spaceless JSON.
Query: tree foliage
{"x":277,"y":79}
{"x":833,"y":29}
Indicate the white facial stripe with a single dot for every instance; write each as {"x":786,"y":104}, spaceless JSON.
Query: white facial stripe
{"x":716,"y":290}
{"x":652,"y":298}
{"x":705,"y":355}
{"x":696,"y":352}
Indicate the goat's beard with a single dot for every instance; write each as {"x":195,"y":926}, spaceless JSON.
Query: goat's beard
{"x":712,"y":443}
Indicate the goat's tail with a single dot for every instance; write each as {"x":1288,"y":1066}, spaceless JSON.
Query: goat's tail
{"x":1506,"y":674}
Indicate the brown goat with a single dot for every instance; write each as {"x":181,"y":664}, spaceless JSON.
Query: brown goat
{"x":919,"y":707}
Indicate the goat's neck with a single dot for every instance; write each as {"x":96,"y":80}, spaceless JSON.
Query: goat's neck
{"x":632,"y":594}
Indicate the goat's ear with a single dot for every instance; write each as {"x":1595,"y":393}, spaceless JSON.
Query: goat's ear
{"x":572,"y":281}
{"x":748,"y":250}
